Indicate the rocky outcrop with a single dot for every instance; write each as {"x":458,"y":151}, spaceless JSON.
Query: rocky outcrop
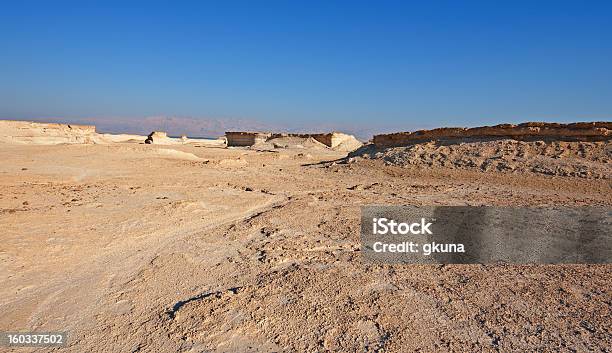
{"x":26,"y":132}
{"x":581,"y":159}
{"x":587,"y":131}
{"x":162,"y":138}
{"x":338,"y":141}
{"x":157,"y":138}
{"x":334,"y":140}
{"x":246,"y":138}
{"x":34,"y":133}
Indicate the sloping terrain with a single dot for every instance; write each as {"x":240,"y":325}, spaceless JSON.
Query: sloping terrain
{"x":558,"y":158}
{"x":131,"y":248}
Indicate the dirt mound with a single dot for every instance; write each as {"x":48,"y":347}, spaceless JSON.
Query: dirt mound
{"x":559,"y":158}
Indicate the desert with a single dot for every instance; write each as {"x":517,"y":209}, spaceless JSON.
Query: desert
{"x":188,"y":245}
{"x":320,"y":176}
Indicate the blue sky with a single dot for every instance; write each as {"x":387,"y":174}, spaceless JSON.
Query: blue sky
{"x":398,"y":63}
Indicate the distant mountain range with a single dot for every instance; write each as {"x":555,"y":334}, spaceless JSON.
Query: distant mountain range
{"x":211,"y":127}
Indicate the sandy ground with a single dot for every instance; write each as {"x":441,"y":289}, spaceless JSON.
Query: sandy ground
{"x":149,"y":248}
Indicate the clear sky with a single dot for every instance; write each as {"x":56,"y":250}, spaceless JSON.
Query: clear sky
{"x":400,"y":63}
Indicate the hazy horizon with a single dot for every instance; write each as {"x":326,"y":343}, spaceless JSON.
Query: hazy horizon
{"x":215,"y":127}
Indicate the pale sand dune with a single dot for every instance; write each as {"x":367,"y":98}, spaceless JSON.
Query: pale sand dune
{"x":169,"y":153}
{"x":122,"y":138}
